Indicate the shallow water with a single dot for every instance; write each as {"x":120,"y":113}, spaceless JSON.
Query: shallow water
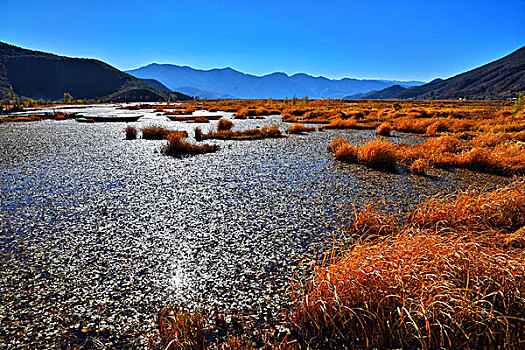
{"x":98,"y":233}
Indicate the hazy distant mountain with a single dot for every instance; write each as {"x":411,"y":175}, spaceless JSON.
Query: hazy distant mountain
{"x":156,"y":84}
{"x":503,"y":78}
{"x":38,"y":74}
{"x":191,"y":91}
{"x":387,"y":93}
{"x":227,"y":82}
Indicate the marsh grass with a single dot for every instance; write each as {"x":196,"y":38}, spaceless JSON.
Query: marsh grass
{"x":178,"y":328}
{"x":32,"y":118}
{"x":156,"y":132}
{"x":496,"y":154}
{"x":251,"y":134}
{"x":177,"y":146}
{"x":224,"y":125}
{"x":449,"y":274}
{"x":131,"y":133}
{"x":257,"y":112}
{"x":376,"y":154}
{"x":350,"y":124}
{"x":384,"y":129}
{"x":298,"y":128}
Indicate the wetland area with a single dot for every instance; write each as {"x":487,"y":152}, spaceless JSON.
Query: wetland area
{"x":99,"y":233}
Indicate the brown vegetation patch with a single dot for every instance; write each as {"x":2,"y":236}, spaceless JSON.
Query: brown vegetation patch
{"x":298,"y":128}
{"x":178,"y":147}
{"x":444,"y":277}
{"x":252,"y":134}
{"x":156,"y":132}
{"x":496,"y":155}
{"x":131,"y":133}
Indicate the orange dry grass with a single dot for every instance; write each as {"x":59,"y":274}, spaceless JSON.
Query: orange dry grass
{"x":384,"y":129}
{"x":224,"y":124}
{"x":376,"y":154}
{"x":189,"y":110}
{"x":430,"y":118}
{"x":131,"y":133}
{"x":447,"y":277}
{"x":156,"y":132}
{"x":252,"y":134}
{"x":179,"y":329}
{"x":298,"y":128}
{"x":255,"y":112}
{"x":178,"y":147}
{"x":176,"y":328}
{"x":501,"y":211}
{"x":32,"y":118}
{"x":349,"y":124}
{"x":496,"y":154}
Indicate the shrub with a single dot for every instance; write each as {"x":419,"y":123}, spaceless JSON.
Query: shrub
{"x":396,"y":106}
{"x":298,"y":128}
{"x":198,"y":134}
{"x":251,"y":134}
{"x":384,"y":129}
{"x":224,"y":125}
{"x":201,"y":120}
{"x":424,"y":286}
{"x":131,"y":133}
{"x":189,"y":110}
{"x":178,"y":147}
{"x":155,"y":132}
{"x":338,"y":142}
{"x":420,"y":166}
{"x":378,"y":155}
{"x":346,"y":153}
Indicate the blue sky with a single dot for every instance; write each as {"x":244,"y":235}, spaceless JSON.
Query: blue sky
{"x":404,"y":39}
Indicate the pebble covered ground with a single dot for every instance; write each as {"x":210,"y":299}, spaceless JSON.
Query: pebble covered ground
{"x":98,"y":233}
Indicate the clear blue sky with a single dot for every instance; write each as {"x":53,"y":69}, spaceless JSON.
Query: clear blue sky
{"x":403,"y":39}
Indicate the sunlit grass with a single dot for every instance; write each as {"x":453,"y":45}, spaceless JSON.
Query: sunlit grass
{"x":495,"y":154}
{"x":251,"y":134}
{"x":298,"y":128}
{"x":449,"y":274}
{"x":177,"y":146}
{"x":155,"y":132}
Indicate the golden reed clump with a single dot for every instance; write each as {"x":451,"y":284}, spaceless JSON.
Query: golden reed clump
{"x":450,"y":274}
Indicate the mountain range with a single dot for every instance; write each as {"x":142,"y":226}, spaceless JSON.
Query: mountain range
{"x":36,"y":75}
{"x":503,"y":78}
{"x":230,"y":83}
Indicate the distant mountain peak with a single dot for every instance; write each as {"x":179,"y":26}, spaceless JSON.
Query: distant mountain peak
{"x":230,"y":82}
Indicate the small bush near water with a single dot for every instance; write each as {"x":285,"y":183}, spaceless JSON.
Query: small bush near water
{"x":298,"y":128}
{"x":156,"y":132}
{"x":131,"y":133}
{"x":252,"y":134}
{"x":224,"y":125}
{"x":375,"y":154}
{"x":178,"y":147}
{"x":384,"y":130}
